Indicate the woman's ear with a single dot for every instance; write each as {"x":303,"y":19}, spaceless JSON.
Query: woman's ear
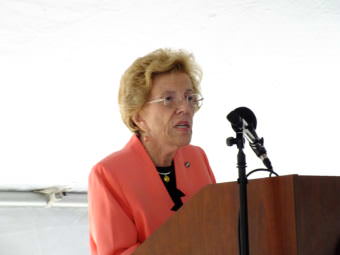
{"x":139,"y":121}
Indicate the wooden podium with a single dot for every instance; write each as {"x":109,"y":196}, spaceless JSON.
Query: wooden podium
{"x":288,"y":215}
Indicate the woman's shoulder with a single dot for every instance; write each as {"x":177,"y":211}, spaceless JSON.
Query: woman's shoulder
{"x":113,"y":160}
{"x":121,"y":160}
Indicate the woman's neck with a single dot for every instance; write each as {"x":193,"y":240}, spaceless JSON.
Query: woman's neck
{"x":161,"y":155}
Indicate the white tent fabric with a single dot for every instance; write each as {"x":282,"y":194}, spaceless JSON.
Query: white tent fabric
{"x":60,"y":65}
{"x":61,"y":62}
{"x":42,"y":231}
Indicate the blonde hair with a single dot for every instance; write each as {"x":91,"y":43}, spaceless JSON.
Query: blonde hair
{"x":136,"y":82}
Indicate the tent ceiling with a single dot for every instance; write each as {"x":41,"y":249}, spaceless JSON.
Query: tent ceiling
{"x":61,"y":62}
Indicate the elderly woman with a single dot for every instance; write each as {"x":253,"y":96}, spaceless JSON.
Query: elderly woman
{"x":132,"y":192}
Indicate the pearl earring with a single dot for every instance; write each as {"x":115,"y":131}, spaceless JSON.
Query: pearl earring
{"x":145,"y":138}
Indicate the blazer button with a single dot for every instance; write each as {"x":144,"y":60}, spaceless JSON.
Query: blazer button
{"x":187,"y":164}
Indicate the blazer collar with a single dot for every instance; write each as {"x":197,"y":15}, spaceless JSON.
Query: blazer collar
{"x":148,"y":171}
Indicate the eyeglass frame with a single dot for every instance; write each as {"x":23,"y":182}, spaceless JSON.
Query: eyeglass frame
{"x":163,"y":100}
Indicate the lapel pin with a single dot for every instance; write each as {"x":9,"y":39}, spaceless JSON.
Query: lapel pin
{"x":187,"y":164}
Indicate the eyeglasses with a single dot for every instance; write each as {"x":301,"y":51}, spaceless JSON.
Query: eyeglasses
{"x":193,"y":100}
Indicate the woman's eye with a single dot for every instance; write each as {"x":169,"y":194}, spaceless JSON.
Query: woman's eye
{"x":168,"y":99}
{"x":191,"y":98}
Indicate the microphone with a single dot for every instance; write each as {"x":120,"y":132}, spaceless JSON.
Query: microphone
{"x":243,"y":120}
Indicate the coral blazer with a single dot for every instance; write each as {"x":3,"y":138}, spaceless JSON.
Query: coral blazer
{"x":128,"y":200}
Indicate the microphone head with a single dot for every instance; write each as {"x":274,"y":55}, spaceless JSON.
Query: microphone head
{"x":235,"y":120}
{"x":235,"y":117}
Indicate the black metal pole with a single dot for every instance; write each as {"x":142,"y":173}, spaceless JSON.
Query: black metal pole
{"x":241,"y":164}
{"x":243,"y":181}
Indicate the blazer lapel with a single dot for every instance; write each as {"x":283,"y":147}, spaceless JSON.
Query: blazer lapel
{"x":148,"y":174}
{"x":182,"y":174}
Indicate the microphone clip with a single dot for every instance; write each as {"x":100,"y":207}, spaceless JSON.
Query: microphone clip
{"x":235,"y":141}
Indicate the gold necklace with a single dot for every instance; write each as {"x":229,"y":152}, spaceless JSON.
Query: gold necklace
{"x":166,"y":176}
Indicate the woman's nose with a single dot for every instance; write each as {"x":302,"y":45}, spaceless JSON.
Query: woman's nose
{"x":183,"y":106}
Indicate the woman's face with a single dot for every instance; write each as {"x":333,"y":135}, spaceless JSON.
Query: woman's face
{"x":168,"y":125}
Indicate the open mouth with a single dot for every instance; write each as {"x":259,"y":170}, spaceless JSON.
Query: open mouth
{"x":183,"y":124}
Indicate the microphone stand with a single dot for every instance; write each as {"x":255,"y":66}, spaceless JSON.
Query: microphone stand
{"x":243,"y":181}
